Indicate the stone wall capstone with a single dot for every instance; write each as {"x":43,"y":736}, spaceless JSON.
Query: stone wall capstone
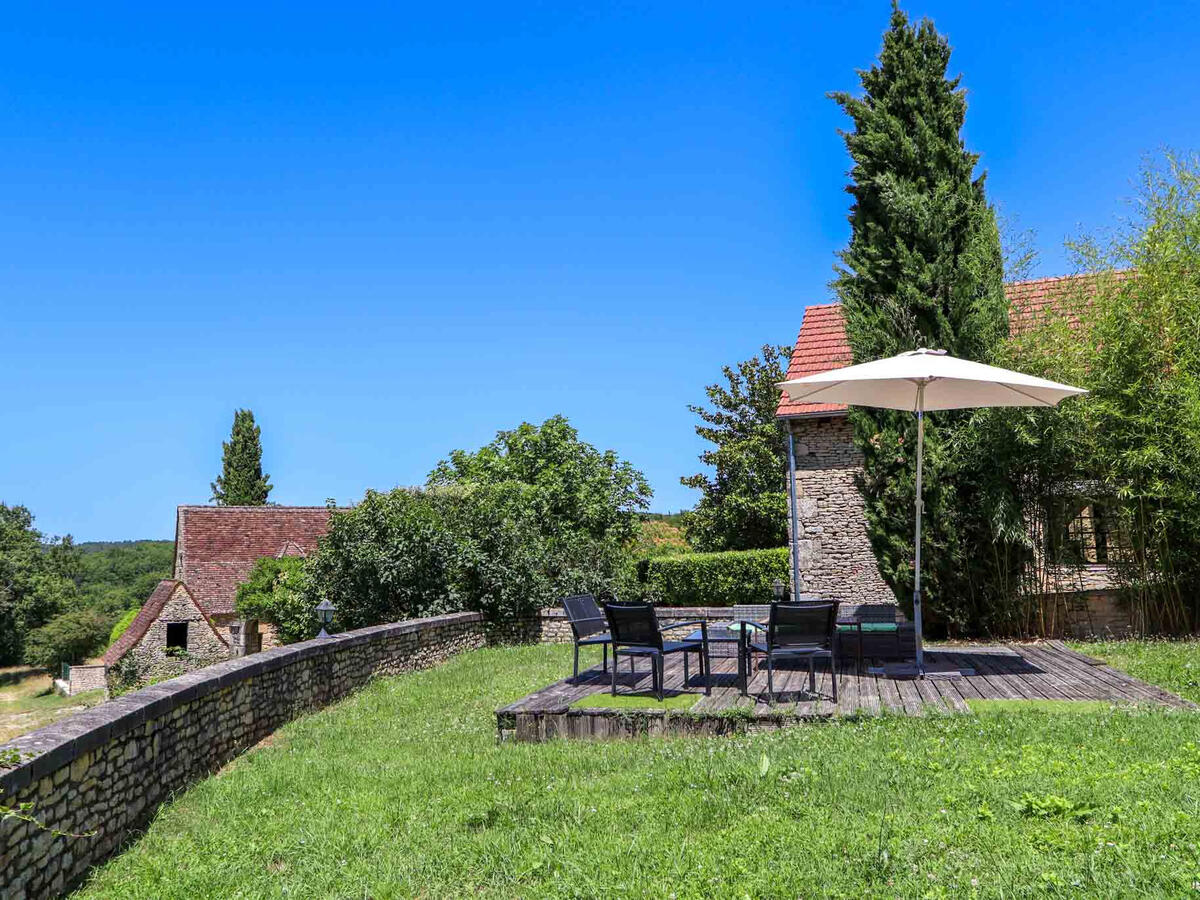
{"x":105,"y":771}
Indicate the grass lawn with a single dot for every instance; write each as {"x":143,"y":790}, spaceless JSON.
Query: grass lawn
{"x":28,"y":701}
{"x":402,"y":790}
{"x":1173,"y":664}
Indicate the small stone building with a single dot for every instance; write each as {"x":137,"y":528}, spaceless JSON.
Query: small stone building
{"x":190,"y":621}
{"x":170,"y":635}
{"x":829,"y":529}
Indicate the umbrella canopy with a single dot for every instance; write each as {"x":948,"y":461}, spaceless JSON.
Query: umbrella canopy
{"x":922,"y":380}
{"x":947,"y":382}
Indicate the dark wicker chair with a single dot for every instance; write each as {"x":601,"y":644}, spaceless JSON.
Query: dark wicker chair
{"x":806,"y":629}
{"x":874,"y":630}
{"x":635,"y":632}
{"x":588,"y":625}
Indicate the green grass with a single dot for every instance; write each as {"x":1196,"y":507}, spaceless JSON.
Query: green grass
{"x":28,"y":701}
{"x":1069,"y":707}
{"x":605,"y":700}
{"x":403,"y":791}
{"x":1175,"y":665}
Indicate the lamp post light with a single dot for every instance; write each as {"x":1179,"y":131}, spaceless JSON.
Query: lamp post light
{"x":325,"y":611}
{"x":777,"y":588}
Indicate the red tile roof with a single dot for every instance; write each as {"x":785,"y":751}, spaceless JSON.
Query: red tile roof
{"x":145,"y":618}
{"x":822,"y":345}
{"x":216,"y":546}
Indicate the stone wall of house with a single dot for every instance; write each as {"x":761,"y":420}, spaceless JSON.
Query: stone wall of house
{"x":836,"y":559}
{"x":104,"y":772}
{"x":150,"y":659}
{"x":86,"y":678}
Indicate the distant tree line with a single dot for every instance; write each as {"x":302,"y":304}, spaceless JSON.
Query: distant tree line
{"x":59,"y":600}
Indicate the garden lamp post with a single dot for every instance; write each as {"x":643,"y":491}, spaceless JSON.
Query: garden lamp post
{"x":325,"y":611}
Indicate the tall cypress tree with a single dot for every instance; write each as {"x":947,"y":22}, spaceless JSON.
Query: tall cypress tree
{"x":242,"y":482}
{"x":923,"y":268}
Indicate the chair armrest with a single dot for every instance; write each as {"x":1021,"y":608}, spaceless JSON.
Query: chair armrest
{"x":703,"y":623}
{"x":752,"y":624}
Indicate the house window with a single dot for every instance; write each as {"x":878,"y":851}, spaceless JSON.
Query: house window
{"x":1086,"y":534}
{"x":177,"y":635}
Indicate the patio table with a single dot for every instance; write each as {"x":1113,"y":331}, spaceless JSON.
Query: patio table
{"x":724,"y":634}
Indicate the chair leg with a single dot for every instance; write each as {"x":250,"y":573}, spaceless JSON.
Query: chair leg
{"x":770,"y":680}
{"x":604,"y":647}
{"x":833,"y":675}
{"x":576,"y":675}
{"x":686,"y":679}
{"x":812,"y":675}
{"x":614,"y":673}
{"x":661,"y":678}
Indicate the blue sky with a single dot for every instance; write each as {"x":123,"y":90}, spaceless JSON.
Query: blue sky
{"x":393,"y":230}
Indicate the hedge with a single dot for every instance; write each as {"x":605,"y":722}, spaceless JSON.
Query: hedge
{"x":713,"y":579}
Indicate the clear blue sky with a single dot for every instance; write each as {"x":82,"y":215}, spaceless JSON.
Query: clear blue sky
{"x":391,"y":231}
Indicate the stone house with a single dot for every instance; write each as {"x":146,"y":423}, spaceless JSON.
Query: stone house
{"x":829,"y":532}
{"x":170,"y":635}
{"x":189,"y":621}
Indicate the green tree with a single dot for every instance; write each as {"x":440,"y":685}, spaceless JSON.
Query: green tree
{"x":70,"y":637}
{"x":32,"y":588}
{"x":924,"y":267}
{"x":274,"y":592}
{"x":242,"y":482}
{"x":743,"y":504}
{"x":1131,"y":446}
{"x":504,"y":530}
{"x":578,"y":487}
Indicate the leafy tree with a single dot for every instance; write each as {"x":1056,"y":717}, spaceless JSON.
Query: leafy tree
{"x":743,"y":505}
{"x":578,"y":487}
{"x":1127,"y":333}
{"x":32,"y":588}
{"x":924,"y":267}
{"x":504,"y":530}
{"x":70,"y":638}
{"x":242,"y":482}
{"x":274,"y":592}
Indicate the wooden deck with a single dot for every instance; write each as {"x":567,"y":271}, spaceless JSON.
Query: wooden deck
{"x":957,"y":674}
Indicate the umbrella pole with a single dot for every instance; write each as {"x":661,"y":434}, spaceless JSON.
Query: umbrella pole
{"x":920,"y":506}
{"x":795,"y":515}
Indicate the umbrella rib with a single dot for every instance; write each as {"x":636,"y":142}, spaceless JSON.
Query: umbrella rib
{"x":1037,"y":401}
{"x":807,"y":398}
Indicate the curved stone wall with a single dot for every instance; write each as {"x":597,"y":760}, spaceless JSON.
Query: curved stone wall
{"x":101,"y":774}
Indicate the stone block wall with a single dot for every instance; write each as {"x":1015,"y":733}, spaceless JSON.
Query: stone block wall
{"x":87,"y":678}
{"x":106,"y":770}
{"x":836,"y":559}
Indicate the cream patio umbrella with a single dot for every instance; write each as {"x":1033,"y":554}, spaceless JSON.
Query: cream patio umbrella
{"x":922,"y":380}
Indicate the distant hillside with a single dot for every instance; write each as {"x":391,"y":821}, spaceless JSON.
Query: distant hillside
{"x":675,"y":518}
{"x":119,"y":575}
{"x":98,"y":546}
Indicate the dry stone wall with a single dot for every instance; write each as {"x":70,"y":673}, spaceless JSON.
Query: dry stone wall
{"x":103,"y":772}
{"x":836,"y":559}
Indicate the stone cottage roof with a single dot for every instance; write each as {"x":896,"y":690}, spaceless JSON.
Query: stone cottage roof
{"x":146,"y":616}
{"x":822,"y":345}
{"x":216,"y":546}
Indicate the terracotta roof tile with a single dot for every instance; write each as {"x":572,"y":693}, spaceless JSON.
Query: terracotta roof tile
{"x":822,"y":345}
{"x":216,"y":546}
